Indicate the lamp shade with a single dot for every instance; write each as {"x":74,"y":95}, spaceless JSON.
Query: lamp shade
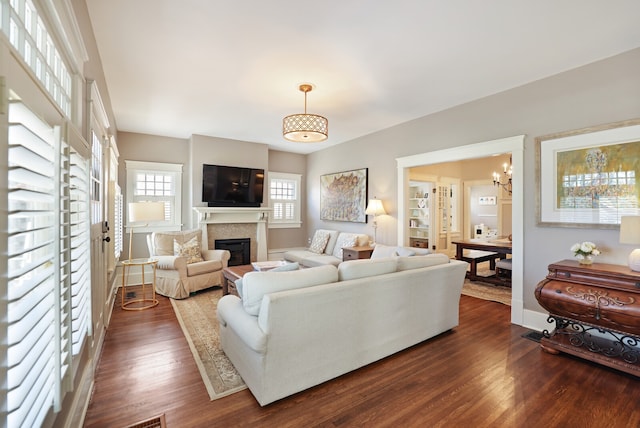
{"x":630,"y":234}
{"x":307,"y":127}
{"x":630,"y":230}
{"x":374,"y":207}
{"x":146,"y":211}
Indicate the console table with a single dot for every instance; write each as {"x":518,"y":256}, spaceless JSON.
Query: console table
{"x":596,"y":310}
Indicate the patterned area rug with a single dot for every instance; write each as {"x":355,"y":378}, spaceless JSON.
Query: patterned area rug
{"x":197,"y":317}
{"x":480,"y":290}
{"x":486,"y":290}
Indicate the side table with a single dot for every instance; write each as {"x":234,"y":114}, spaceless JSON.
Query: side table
{"x":143,"y":302}
{"x":355,"y":253}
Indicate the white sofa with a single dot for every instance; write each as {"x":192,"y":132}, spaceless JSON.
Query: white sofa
{"x":330,"y":253}
{"x":293,"y":330}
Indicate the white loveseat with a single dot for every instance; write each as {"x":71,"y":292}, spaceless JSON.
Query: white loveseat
{"x":326,"y":248}
{"x":293,"y":330}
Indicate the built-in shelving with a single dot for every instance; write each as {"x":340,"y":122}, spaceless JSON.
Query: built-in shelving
{"x":420,"y":207}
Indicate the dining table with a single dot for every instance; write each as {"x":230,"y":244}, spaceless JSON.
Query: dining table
{"x":500,"y":246}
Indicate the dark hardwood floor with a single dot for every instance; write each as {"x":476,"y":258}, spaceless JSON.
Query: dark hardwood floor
{"x":481,"y":374}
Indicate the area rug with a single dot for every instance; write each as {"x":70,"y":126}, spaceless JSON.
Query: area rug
{"x":494,"y":293}
{"x":197,"y":317}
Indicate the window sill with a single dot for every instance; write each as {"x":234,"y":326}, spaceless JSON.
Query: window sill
{"x":292,"y":225}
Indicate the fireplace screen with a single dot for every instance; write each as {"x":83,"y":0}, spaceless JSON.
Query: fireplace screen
{"x":240,"y":250}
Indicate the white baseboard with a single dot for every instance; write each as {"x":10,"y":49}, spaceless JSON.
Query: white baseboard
{"x":536,"y":320}
{"x":81,"y":398}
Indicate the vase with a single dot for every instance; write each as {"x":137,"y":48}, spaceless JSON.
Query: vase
{"x":586,"y":260}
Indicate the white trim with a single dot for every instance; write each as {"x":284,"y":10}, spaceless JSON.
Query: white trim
{"x":97,"y":107}
{"x":153,"y":166}
{"x":133,"y":167}
{"x":60,"y":15}
{"x":515,"y":145}
{"x":537,"y":320}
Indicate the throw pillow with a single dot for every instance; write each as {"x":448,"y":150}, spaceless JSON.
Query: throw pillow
{"x":238,"y":284}
{"x":381,"y":251}
{"x":344,"y":240}
{"x":286,"y":267}
{"x":283,"y":268}
{"x":405,"y":252}
{"x":190,"y":250}
{"x":319,"y":241}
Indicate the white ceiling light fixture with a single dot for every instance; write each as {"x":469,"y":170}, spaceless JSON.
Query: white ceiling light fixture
{"x":305,"y":128}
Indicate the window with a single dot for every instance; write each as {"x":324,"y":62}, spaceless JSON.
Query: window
{"x":28,"y":34}
{"x":156,"y":182}
{"x":118,"y":223}
{"x":96,"y":179}
{"x":284,"y":199}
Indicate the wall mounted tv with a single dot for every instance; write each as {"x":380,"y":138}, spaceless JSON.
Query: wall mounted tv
{"x":230,"y":186}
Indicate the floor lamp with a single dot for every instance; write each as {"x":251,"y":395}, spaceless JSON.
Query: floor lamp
{"x":375,"y":208}
{"x":143,"y":212}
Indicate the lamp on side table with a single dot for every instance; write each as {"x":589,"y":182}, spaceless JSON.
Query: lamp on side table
{"x":375,"y":208}
{"x":630,"y":234}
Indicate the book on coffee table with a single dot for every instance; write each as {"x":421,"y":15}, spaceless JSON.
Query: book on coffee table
{"x":268,"y":265}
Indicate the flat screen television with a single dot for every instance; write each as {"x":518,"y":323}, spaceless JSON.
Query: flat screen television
{"x":230,"y":186}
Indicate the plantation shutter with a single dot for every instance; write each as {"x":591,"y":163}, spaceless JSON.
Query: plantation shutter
{"x":284,"y":199}
{"x":33,"y":315}
{"x":79,"y":248}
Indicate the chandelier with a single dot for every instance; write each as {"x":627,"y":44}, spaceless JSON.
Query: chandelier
{"x":305,"y":128}
{"x":507,"y":172}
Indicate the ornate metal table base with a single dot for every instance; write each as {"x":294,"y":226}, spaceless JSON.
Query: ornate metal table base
{"x":611,"y":348}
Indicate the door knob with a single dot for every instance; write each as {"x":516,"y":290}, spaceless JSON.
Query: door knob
{"x":107,"y":239}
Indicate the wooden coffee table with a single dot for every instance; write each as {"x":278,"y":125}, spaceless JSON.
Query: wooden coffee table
{"x":233,"y":273}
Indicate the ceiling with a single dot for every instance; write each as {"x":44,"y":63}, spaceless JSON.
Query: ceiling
{"x":231,"y":69}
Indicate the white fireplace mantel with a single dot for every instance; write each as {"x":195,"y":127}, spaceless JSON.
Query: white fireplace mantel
{"x":231,"y":215}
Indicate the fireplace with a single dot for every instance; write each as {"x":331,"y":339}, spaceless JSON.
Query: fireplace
{"x":240,"y":250}
{"x":227,"y":222}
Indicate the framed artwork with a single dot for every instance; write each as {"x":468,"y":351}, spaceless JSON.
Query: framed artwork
{"x":343,"y":196}
{"x":487,"y":200}
{"x":589,"y":177}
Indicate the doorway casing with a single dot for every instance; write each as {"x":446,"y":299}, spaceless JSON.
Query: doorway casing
{"x":515,"y":145}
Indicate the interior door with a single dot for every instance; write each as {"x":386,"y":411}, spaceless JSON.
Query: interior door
{"x":446,"y":221}
{"x":100,"y":228}
{"x":442,"y":220}
{"x":98,"y":235}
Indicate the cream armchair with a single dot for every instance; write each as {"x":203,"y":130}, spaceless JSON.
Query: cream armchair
{"x":177,"y":276}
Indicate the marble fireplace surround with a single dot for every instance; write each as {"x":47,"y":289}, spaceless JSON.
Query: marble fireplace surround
{"x":234,"y":223}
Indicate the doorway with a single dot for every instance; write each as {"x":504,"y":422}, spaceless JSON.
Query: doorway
{"x":515,"y":145}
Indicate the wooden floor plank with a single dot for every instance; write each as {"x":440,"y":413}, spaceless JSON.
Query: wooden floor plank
{"x":481,"y":374}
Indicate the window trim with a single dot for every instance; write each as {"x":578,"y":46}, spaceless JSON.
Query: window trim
{"x":297,"y":221}
{"x":134,"y":167}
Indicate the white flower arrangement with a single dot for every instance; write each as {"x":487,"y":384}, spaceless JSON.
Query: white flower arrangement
{"x":584,"y":249}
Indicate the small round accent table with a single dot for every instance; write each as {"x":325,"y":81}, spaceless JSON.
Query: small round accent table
{"x":143,"y":302}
